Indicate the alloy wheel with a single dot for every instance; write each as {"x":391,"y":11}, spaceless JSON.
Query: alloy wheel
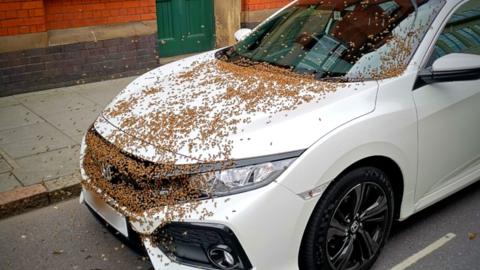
{"x":357,"y":227}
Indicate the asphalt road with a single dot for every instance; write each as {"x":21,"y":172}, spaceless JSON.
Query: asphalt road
{"x":63,"y":236}
{"x":66,"y":236}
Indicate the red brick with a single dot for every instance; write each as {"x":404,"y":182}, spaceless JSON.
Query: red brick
{"x":150,"y":10}
{"x":54,"y":9}
{"x":11,"y":6}
{"x":33,"y":20}
{"x":130,"y":4}
{"x":131,"y":11}
{"x":55,"y":25}
{"x":37,"y":12}
{"x":56,"y":17}
{"x":41,"y":28}
{"x":249,"y":5}
{"x":98,"y":21}
{"x":12,"y":22}
{"x":116,"y":19}
{"x":122,"y":11}
{"x":24,"y":29}
{"x":93,"y":6}
{"x":12,"y":31}
{"x":87,"y":14}
{"x":22,"y":13}
{"x":105,"y":13}
{"x":114,"y":12}
{"x":10,"y":14}
{"x":148,"y":3}
{"x":130,"y":18}
{"x":32,"y":4}
{"x":114,"y":5}
{"x":146,"y":17}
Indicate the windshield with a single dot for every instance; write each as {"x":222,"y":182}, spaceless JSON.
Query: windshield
{"x":345,"y":38}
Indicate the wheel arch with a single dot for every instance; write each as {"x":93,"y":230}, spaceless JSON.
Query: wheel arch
{"x":383,"y":163}
{"x":389,"y":167}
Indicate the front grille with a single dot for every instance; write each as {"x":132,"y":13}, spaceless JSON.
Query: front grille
{"x":195,"y":237}
{"x":133,"y":183}
{"x":125,"y":167}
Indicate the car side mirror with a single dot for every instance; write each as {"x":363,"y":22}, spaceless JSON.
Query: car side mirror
{"x":242,"y":33}
{"x":451,"y":67}
{"x":456,"y":62}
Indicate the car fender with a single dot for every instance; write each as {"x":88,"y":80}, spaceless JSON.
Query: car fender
{"x":389,"y":131}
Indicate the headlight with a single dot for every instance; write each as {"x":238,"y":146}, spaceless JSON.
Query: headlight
{"x":245,"y":178}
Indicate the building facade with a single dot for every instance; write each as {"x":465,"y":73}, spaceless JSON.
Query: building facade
{"x":53,"y":43}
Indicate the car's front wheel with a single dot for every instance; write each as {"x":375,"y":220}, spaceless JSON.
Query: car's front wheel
{"x":350,"y":223}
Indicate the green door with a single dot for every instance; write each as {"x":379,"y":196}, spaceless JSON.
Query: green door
{"x":185,"y":26}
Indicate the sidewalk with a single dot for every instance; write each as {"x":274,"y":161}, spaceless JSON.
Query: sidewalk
{"x":40,"y":136}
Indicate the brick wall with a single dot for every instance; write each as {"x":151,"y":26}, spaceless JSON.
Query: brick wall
{"x":255,"y":11}
{"x":55,"y":58}
{"x":62,"y":14}
{"x":43,"y":68}
{"x":21,"y":17}
{"x":251,"y":5}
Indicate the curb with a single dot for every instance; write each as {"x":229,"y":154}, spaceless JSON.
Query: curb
{"x":23,"y":199}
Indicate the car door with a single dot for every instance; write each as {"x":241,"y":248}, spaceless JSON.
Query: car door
{"x":449,"y":114}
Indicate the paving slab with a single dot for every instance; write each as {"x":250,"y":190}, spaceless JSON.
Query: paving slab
{"x":103,"y":92}
{"x":74,"y":123}
{"x":4,"y":166}
{"x":8,"y":182}
{"x":40,"y":134}
{"x":8,"y":101}
{"x":32,"y":139}
{"x":47,"y":166}
{"x":54,"y":102}
{"x":17,"y":116}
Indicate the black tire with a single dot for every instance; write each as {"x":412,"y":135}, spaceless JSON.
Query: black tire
{"x":332,"y":243}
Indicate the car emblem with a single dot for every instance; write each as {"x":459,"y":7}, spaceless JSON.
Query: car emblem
{"x":355,"y":226}
{"x":107,"y":172}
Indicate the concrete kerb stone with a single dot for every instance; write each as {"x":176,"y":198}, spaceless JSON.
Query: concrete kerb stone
{"x":63,"y":188}
{"x":23,"y":199}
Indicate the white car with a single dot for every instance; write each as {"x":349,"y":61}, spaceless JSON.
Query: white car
{"x":335,"y":117}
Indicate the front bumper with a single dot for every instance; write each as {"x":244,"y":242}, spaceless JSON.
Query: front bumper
{"x":129,"y":237}
{"x":268,"y":223}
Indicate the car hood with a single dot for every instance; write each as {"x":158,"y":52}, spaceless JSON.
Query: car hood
{"x":136,"y":111}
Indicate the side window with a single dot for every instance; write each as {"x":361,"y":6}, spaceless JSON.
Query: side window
{"x":462,"y":32}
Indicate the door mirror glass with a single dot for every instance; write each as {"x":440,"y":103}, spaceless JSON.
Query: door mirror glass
{"x":242,"y":33}
{"x":456,"y":62}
